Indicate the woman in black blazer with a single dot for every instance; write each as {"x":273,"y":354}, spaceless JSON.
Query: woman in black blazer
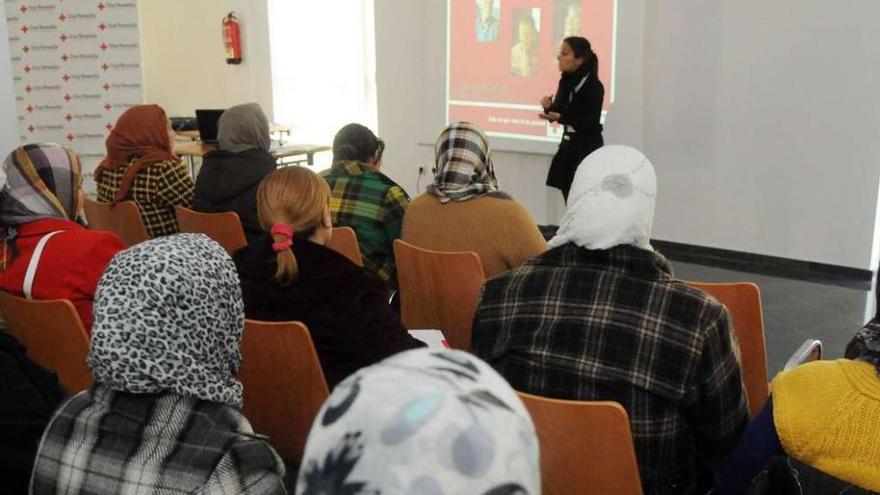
{"x":578,"y":107}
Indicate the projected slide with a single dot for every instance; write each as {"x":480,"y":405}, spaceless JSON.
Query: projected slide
{"x":501,"y":57}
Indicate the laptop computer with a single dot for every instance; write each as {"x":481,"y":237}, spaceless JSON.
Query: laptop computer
{"x":207,"y":120}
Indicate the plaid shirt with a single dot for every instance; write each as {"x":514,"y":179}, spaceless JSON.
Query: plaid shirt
{"x":106,"y":442}
{"x":157,"y":189}
{"x":614,"y":325}
{"x":373,"y":205}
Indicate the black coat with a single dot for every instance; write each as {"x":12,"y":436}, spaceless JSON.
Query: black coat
{"x":345,"y":308}
{"x":581,"y":109}
{"x":228,"y":182}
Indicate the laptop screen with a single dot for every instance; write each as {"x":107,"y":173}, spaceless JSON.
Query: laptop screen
{"x":207,"y":120}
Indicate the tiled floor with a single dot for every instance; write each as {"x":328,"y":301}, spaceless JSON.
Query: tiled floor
{"x":794,"y":310}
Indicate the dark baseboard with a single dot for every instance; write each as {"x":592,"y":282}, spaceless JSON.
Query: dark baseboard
{"x":843,"y":276}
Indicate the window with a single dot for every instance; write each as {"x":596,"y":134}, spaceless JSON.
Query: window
{"x":323,"y":57}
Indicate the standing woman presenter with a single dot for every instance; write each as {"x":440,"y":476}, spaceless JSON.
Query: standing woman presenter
{"x":577,"y":106}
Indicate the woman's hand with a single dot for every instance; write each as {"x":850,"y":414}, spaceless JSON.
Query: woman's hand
{"x":550,"y":116}
{"x":547,"y":102}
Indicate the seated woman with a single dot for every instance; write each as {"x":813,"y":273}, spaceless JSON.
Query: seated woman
{"x":163,"y":414}
{"x":463,"y":210}
{"x":39,"y":205}
{"x":600,"y":317}
{"x":365,"y":199}
{"x":290,"y":275}
{"x":141,"y":166}
{"x":423,"y":422}
{"x":824,"y":414}
{"x":230,"y":175}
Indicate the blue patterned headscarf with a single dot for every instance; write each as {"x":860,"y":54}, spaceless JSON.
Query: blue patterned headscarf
{"x":425,"y":422}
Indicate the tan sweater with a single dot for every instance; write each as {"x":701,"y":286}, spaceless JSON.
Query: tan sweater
{"x":499,"y":230}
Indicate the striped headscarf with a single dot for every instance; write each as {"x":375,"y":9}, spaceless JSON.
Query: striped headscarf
{"x":42,"y":181}
{"x":464,"y":164}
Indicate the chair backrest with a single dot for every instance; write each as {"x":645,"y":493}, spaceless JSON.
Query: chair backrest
{"x":344,"y":241}
{"x":743,"y":301}
{"x":53,"y":336}
{"x":284,"y":386}
{"x":586,"y":447}
{"x":439,"y":290}
{"x":810,"y":350}
{"x":123,"y":219}
{"x":225,"y":227}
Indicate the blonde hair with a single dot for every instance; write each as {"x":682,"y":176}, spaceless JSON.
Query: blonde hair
{"x":293,"y":196}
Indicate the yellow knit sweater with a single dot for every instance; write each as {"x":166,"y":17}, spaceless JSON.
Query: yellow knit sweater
{"x":499,"y":230}
{"x":827,"y":414}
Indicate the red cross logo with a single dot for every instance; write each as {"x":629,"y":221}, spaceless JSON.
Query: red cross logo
{"x":31,"y":128}
{"x":69,"y":136}
{"x":64,"y":57}
{"x":68,"y":117}
{"x":105,"y":66}
{"x":24,"y":29}
{"x":107,"y":106}
{"x":65,"y":77}
{"x":62,"y":17}
{"x":28,"y":88}
{"x":26,"y":69}
{"x":66,"y":97}
{"x":23,"y":9}
{"x":102,"y":26}
{"x":26,"y":48}
{"x":103,"y":46}
{"x":63,"y":37}
{"x":30,"y":108}
{"x":106,"y":87}
{"x":109,"y":126}
{"x":101,"y":6}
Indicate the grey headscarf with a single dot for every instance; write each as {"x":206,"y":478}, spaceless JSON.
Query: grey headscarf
{"x":243,"y":127}
{"x":424,"y":422}
{"x":169,"y":316}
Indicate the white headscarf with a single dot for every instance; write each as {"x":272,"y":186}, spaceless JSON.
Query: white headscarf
{"x":611,"y":201}
{"x":422,"y":422}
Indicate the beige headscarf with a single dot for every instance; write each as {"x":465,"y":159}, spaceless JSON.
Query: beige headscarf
{"x":243,"y":127}
{"x":611,"y":201}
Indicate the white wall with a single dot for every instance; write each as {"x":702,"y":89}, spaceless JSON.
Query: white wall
{"x":184,"y":65}
{"x":763,"y":121}
{"x":8,"y":113}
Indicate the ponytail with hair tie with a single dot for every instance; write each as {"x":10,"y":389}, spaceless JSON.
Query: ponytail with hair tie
{"x":285,"y":231}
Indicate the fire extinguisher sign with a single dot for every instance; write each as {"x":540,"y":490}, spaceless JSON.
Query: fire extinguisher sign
{"x":232,"y":39}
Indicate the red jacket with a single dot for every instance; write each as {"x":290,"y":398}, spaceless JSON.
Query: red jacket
{"x":71,"y":264}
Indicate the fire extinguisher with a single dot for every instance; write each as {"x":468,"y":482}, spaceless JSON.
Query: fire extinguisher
{"x":231,"y":39}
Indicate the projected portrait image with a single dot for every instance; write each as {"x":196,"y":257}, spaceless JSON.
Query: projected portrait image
{"x":488,"y":15}
{"x":524,"y":51}
{"x":567,"y":20}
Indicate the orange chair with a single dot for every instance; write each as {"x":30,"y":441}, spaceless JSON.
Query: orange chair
{"x":439,"y":290}
{"x":344,"y":241}
{"x":53,"y":335}
{"x":225,"y":228}
{"x":284,"y":385}
{"x":123,"y":219}
{"x":743,"y":301}
{"x":586,"y":447}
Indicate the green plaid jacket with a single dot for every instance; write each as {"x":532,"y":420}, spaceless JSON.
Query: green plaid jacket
{"x":373,"y":205}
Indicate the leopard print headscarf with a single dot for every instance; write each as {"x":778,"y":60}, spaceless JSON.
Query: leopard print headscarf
{"x":169,"y":316}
